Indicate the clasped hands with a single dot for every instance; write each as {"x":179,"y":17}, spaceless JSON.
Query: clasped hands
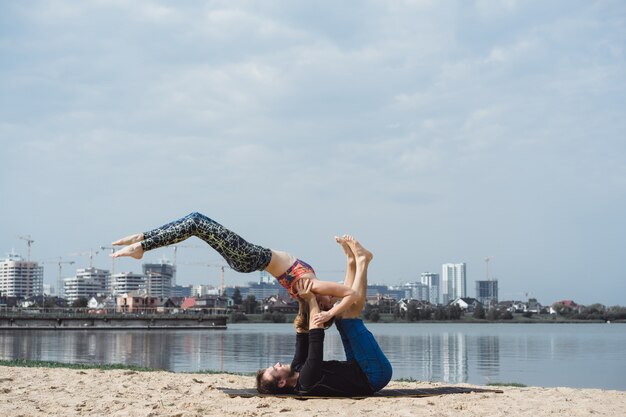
{"x":303,"y":287}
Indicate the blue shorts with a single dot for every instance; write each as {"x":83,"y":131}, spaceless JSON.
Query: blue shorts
{"x":360,"y":345}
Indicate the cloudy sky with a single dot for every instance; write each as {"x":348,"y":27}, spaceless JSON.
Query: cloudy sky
{"x":433,"y":131}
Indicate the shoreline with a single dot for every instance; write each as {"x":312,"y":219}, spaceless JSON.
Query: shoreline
{"x":38,"y":391}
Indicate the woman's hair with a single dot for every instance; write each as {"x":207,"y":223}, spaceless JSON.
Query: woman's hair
{"x":270,"y":386}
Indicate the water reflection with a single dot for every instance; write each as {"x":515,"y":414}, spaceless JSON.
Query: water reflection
{"x":446,"y":353}
{"x":429,"y":357}
{"x":488,"y":356}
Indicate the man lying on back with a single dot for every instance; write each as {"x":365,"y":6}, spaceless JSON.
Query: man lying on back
{"x":365,"y":370}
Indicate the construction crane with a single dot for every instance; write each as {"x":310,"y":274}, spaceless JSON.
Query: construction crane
{"x":91,"y":253}
{"x":29,"y":241}
{"x":222,"y":268}
{"x":60,"y":263}
{"x":487,"y":259}
{"x":112,"y":263}
{"x":182,"y":246}
{"x":112,"y":258}
{"x":176,"y":258}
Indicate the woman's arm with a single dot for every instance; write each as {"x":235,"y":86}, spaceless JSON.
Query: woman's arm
{"x":301,"y":322}
{"x":307,"y":295}
{"x":348,"y":297}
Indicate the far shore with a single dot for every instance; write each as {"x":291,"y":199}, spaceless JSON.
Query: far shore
{"x":388,"y":318}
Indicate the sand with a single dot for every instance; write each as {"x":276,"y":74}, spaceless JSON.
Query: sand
{"x":71,"y":392}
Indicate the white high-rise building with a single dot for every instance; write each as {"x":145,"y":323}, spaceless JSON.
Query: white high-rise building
{"x":87,"y":283}
{"x":20,"y":278}
{"x":49,"y":290}
{"x":203,"y":290}
{"x":453,"y":282}
{"x":127,"y":282}
{"x":432,"y":281}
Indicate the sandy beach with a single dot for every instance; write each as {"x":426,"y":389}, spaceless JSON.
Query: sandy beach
{"x":72,"y":392}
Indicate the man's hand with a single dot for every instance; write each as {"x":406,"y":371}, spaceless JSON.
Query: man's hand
{"x":321,"y":318}
{"x":303,"y":288}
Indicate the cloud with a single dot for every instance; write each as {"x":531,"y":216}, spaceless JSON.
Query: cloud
{"x":426,"y":118}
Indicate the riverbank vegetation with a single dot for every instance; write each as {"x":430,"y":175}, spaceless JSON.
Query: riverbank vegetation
{"x":595,"y":313}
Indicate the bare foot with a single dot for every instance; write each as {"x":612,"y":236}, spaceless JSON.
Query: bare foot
{"x":345,"y":246}
{"x":128,"y":240}
{"x":358,"y":249}
{"x":134,"y":251}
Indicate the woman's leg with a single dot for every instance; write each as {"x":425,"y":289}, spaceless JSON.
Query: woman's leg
{"x":350,"y":261}
{"x":361,"y":259}
{"x":348,"y":281}
{"x":241,"y":255}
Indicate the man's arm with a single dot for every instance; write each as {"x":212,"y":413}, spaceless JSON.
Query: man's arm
{"x":302,"y":330}
{"x":311,"y":371}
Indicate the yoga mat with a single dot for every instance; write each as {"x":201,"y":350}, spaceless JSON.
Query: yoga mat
{"x":387,"y":392}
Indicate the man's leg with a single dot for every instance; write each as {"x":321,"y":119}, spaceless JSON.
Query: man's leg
{"x":359,"y":343}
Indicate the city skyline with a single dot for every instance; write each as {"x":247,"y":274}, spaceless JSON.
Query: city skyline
{"x":159,"y":279}
{"x":433,"y":132}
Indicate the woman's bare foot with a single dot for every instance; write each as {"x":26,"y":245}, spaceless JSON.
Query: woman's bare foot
{"x":128,"y":240}
{"x":358,"y":249}
{"x":344,"y":245}
{"x":134,"y":251}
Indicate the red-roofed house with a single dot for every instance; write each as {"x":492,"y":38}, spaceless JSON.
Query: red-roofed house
{"x":188,"y":303}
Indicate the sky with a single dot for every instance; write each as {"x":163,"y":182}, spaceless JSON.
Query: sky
{"x":434,"y":132}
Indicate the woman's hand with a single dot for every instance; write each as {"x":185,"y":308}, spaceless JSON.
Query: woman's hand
{"x":303,"y":289}
{"x":321,"y":318}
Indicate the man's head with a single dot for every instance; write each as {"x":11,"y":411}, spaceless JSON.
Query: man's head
{"x":325,"y":302}
{"x":276,"y":379}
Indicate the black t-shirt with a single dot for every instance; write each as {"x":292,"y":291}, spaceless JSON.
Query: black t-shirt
{"x":325,"y":378}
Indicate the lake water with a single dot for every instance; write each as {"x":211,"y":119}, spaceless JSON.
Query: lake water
{"x":573,"y":355}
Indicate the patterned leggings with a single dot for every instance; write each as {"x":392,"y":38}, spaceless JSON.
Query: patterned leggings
{"x":240,"y":255}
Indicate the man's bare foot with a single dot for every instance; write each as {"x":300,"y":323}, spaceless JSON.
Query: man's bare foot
{"x":358,"y":249}
{"x":344,"y":245}
{"x":134,"y":251}
{"x":128,"y":240}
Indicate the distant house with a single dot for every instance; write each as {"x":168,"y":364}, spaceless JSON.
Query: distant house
{"x":178,"y":301}
{"x":166,"y":305}
{"x":208,"y":304}
{"x":533,"y":306}
{"x":404,"y":304}
{"x":466,"y":304}
{"x":569,"y":305}
{"x":513,"y":306}
{"x":96,"y":302}
{"x":188,"y":303}
{"x":12,"y":301}
{"x":129,"y":303}
{"x":34,"y":301}
{"x":384,"y":301}
{"x":278,"y":304}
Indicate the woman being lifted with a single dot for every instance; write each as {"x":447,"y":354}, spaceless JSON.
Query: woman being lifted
{"x":242,"y":256}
